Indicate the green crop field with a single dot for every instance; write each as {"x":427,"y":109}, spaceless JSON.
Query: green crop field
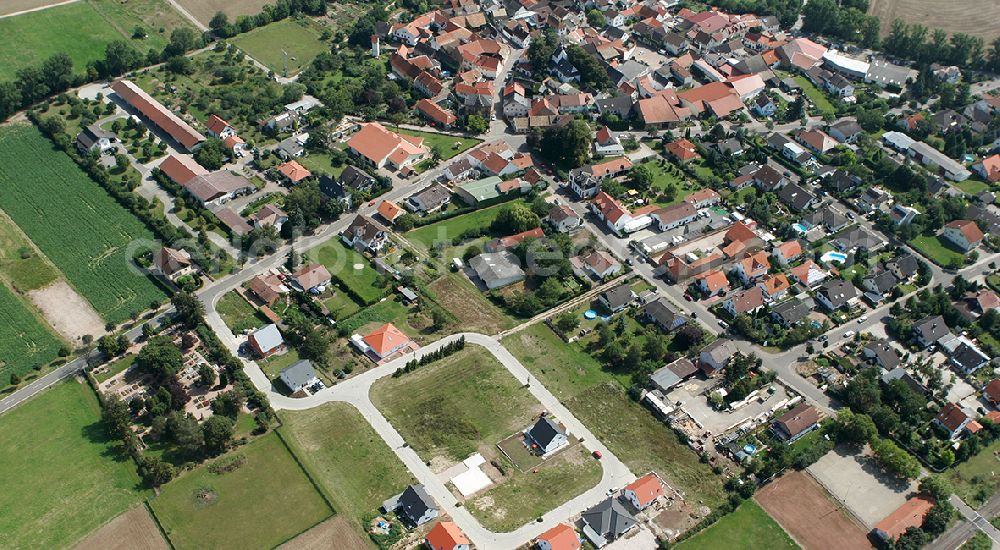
{"x":749,"y":527}
{"x":20,"y":263}
{"x":261,"y":503}
{"x":55,"y":204}
{"x":24,"y":342}
{"x":63,"y":476}
{"x":452,"y":406}
{"x":331,"y":441}
{"x":82,"y":30}
{"x":299,"y":37}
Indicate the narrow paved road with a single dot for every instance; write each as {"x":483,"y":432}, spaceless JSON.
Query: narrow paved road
{"x":72,"y":368}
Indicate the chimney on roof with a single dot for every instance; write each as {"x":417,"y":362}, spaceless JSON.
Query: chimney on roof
{"x":376,"y":49}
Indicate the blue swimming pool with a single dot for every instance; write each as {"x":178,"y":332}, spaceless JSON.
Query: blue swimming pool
{"x":832,"y":256}
{"x":799,"y":227}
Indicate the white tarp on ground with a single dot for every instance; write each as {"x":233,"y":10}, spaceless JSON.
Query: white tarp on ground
{"x":474,"y":479}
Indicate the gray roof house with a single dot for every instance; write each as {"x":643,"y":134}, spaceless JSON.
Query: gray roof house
{"x":791,"y":312}
{"x":669,"y":376}
{"x":797,"y":198}
{"x":661,"y":313}
{"x":846,"y":130}
{"x":497,"y":269}
{"x":618,"y":298}
{"x":929,"y":330}
{"x":299,"y":375}
{"x":836,"y":294}
{"x":882,"y":354}
{"x":93,"y":138}
{"x":858,"y":237}
{"x":607,"y":521}
{"x":413,"y":505}
{"x":715,"y":356}
{"x":828,"y":217}
{"x":546,"y":436}
{"x":428,"y":199}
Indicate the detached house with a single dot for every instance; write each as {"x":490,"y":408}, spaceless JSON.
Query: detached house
{"x":745,"y":301}
{"x":787,"y":252}
{"x":929,"y":330}
{"x":545,"y":437}
{"x":794,"y":424}
{"x":836,"y":294}
{"x":643,"y":491}
{"x":560,"y":537}
{"x":173,"y":264}
{"x":607,"y":521}
{"x":267,"y":341}
{"x":379,"y":147}
{"x":952,"y":419}
{"x":414,"y":506}
{"x":607,"y":144}
{"x":964,"y":234}
{"x":753,"y":267}
{"x":93,"y":138}
{"x":365,"y":235}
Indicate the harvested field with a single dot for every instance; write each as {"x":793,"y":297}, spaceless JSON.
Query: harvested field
{"x":133,"y":530}
{"x":204,"y":10}
{"x":975,"y":17}
{"x":68,"y":313}
{"x":322,"y":537}
{"x":810,"y":514}
{"x":14,"y":6}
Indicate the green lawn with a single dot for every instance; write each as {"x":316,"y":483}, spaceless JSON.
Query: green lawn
{"x":82,"y":30}
{"x":975,"y":480}
{"x":386,"y":311}
{"x":25,"y":342}
{"x":450,"y":407}
{"x":262,"y":503}
{"x":350,"y":268}
{"x":63,"y":476}
{"x":332,"y":441}
{"x":937,"y":248}
{"x":55,"y":203}
{"x":317,"y":162}
{"x":238,"y":314}
{"x":445,"y":231}
{"x":20,"y":262}
{"x":114,"y":367}
{"x":450,"y":146}
{"x":299,"y":37}
{"x":973,"y":187}
{"x":341,"y":305}
{"x":816,"y":96}
{"x":662,"y":178}
{"x":272,"y":366}
{"x":749,"y":527}
{"x":526,"y":496}
{"x":620,"y":422}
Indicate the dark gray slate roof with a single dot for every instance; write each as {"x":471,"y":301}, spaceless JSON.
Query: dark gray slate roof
{"x":609,"y":518}
{"x":299,"y":374}
{"x":414,"y":502}
{"x":544,"y":431}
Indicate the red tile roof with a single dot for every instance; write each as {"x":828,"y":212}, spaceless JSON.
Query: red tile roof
{"x":951,"y":416}
{"x":561,"y":537}
{"x":435,"y":112}
{"x":294,"y":171}
{"x":216,"y":125}
{"x":386,"y":338}
{"x":181,"y":169}
{"x":389,"y":210}
{"x":180,"y":131}
{"x":647,"y":489}
{"x":910,"y":514}
{"x":445,"y":536}
{"x":683,"y":149}
{"x":968,"y":228}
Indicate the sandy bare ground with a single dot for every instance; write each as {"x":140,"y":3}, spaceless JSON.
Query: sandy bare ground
{"x":16,"y":7}
{"x":67,"y":312}
{"x":334,"y":533}
{"x":204,"y":10}
{"x":810,"y":514}
{"x":133,"y":530}
{"x":975,"y":17}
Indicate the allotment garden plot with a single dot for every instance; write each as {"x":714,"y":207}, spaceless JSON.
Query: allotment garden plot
{"x":75,"y":223}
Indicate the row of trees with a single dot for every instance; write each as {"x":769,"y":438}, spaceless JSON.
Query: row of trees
{"x":917,"y":42}
{"x":57,"y":73}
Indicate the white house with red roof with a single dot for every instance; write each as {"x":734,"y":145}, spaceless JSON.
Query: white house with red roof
{"x":752,"y":267}
{"x":610,"y":211}
{"x":560,"y":537}
{"x":964,"y":234}
{"x":379,"y":147}
{"x":787,"y":252}
{"x":988,"y":168}
{"x":293,"y":171}
{"x":217,"y":127}
{"x":644,"y":491}
{"x":383,"y":342}
{"x":607,"y":144}
{"x":445,"y":535}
